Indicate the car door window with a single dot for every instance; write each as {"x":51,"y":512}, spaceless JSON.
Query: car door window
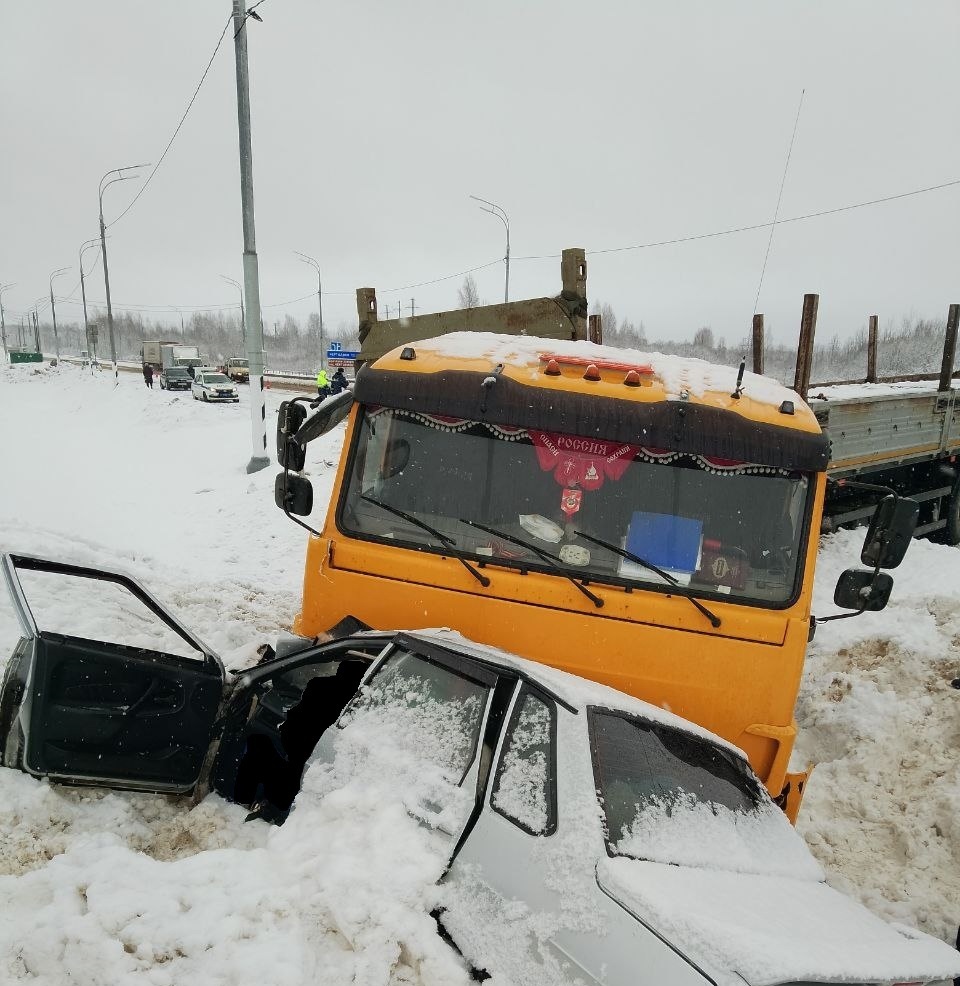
{"x":433,"y":711}
{"x":524,"y":789}
{"x":97,"y":609}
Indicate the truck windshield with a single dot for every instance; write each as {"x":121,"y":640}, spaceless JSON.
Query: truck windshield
{"x":714,"y":527}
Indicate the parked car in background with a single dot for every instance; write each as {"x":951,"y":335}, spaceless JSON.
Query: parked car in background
{"x":237,"y":368}
{"x":212,"y":385}
{"x":582,"y":835}
{"x":175,"y":378}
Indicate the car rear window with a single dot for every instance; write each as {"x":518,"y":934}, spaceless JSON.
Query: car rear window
{"x":671,"y":796}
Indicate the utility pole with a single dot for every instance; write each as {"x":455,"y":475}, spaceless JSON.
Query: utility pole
{"x":3,"y":324}
{"x":36,"y":331}
{"x":313,"y":263}
{"x":253,"y":329}
{"x":103,"y":249}
{"x":83,"y":294}
{"x":53,"y":310}
{"x":413,"y":308}
{"x":496,"y":210}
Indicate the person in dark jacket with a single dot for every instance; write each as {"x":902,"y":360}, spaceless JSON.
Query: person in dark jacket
{"x":148,"y":375}
{"x":338,"y":382}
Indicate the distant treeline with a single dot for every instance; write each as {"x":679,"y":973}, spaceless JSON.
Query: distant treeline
{"x":916,"y":346}
{"x":290,"y":345}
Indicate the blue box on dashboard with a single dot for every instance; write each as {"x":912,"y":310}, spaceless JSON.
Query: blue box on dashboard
{"x":665,"y":540}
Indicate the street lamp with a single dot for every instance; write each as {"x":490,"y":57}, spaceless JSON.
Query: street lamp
{"x":83,"y":294}
{"x":36,"y":322}
{"x":495,"y":210}
{"x":239,"y":287}
{"x":316,"y":266}
{"x":53,"y":309}
{"x":3,"y":324}
{"x":103,"y":247}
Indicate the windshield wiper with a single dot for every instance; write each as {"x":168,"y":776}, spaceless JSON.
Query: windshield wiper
{"x":444,"y":539}
{"x":551,"y":560}
{"x":666,"y":576}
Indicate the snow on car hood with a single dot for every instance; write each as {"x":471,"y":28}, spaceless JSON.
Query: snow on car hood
{"x":773,"y":929}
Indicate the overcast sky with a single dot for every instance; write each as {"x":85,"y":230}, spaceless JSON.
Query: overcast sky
{"x":599,"y":125}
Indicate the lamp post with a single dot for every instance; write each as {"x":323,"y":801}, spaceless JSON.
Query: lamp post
{"x":36,"y":323}
{"x":316,"y":267}
{"x":104,"y":185}
{"x":253,"y":326}
{"x":495,"y":210}
{"x":83,"y":294}
{"x":3,"y":324}
{"x":53,"y":309}
{"x":239,"y":287}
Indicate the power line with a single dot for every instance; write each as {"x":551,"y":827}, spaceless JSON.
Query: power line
{"x":747,"y":229}
{"x":196,"y":91}
{"x":638,"y":246}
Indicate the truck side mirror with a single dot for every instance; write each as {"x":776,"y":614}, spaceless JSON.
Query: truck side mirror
{"x":330,"y":413}
{"x":293,"y":494}
{"x":863,"y":591}
{"x":890,"y":531}
{"x":290,"y":455}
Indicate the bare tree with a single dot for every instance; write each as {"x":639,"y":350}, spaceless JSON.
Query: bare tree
{"x":468,"y":294}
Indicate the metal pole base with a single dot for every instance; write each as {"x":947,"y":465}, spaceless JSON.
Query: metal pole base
{"x":257,"y":463}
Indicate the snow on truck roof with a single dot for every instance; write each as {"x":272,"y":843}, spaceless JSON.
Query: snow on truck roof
{"x":580,"y":388}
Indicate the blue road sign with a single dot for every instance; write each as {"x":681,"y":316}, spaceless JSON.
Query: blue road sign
{"x":341,"y":354}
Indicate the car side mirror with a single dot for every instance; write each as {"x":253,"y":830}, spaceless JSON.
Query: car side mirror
{"x":293,"y":494}
{"x":328,"y":415}
{"x":290,"y":454}
{"x":890,"y":531}
{"x":863,"y":591}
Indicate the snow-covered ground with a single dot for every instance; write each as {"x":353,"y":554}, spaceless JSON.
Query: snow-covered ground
{"x":115,"y":888}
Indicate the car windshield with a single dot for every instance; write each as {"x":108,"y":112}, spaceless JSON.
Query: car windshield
{"x":215,"y":378}
{"x":177,"y":373}
{"x":711,"y":527}
{"x":239,"y":362}
{"x":671,"y":796}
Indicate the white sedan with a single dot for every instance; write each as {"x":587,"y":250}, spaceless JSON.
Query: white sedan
{"x":581,"y":836}
{"x":211,"y":385}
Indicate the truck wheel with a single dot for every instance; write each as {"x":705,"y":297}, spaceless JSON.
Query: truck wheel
{"x":951,"y":533}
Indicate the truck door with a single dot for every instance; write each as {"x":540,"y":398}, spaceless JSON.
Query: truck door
{"x":104,"y":687}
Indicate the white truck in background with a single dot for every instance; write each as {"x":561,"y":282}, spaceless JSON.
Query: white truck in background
{"x":161,"y":354}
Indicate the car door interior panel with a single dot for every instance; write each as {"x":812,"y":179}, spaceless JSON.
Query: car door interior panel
{"x":104,"y":712}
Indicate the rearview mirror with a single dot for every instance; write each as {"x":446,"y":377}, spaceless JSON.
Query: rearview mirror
{"x":863,"y":591}
{"x":328,"y":415}
{"x":890,"y":531}
{"x":293,"y":494}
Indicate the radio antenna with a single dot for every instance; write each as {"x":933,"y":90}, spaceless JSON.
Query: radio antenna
{"x":776,"y":212}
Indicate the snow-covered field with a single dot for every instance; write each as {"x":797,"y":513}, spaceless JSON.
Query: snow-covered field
{"x":110,"y":888}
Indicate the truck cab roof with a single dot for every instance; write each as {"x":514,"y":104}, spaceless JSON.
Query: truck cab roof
{"x":580,"y":388}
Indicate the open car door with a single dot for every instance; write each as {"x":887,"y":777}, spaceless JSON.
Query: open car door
{"x":104,"y":687}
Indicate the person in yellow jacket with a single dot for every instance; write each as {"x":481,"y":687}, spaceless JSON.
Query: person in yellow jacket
{"x":323,"y":386}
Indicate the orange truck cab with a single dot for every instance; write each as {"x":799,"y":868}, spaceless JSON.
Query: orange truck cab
{"x":649,"y":522}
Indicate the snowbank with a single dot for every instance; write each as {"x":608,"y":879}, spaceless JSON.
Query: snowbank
{"x":135,"y":889}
